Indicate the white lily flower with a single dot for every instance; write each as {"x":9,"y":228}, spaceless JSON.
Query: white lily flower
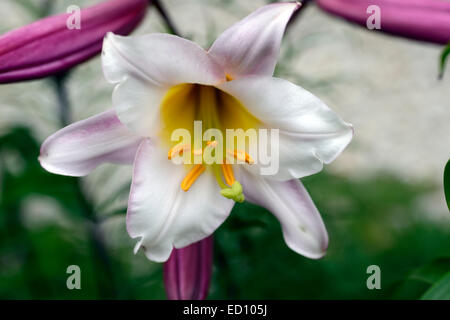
{"x":163,"y":82}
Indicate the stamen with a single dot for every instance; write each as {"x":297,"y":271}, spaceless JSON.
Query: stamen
{"x":228,"y":77}
{"x":178,"y":150}
{"x":212,"y":143}
{"x":192,"y":175}
{"x":228,"y":174}
{"x":241,"y":156}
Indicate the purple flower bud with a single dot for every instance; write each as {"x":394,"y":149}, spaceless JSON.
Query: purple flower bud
{"x":48,"y":46}
{"x":427,"y":20}
{"x":187,"y":273}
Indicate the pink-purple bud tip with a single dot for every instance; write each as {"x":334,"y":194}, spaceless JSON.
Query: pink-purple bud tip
{"x":48,"y":46}
{"x":427,"y":20}
{"x":187,"y":273}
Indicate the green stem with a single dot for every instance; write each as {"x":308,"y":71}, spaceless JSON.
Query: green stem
{"x":162,"y":11}
{"x":63,"y":100}
{"x":103,"y":266}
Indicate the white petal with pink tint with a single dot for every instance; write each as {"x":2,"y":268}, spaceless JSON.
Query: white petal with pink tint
{"x":303,"y":228}
{"x":252,"y":45}
{"x":80,"y":147}
{"x":164,"y":216}
{"x":137,"y":105}
{"x":160,"y":59}
{"x":310,"y":133}
{"x":144,"y":67}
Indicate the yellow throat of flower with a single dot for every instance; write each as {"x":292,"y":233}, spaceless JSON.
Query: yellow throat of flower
{"x":186,"y":103}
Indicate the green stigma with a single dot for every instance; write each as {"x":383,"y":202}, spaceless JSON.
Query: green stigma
{"x":234,"y":193}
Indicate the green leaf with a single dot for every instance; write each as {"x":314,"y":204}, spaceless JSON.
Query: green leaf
{"x":432,"y":272}
{"x":444,"y":56}
{"x":440,"y":290}
{"x":420,"y":280}
{"x":447,"y":183}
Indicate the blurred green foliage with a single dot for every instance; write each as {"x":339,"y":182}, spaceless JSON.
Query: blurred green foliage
{"x":443,"y":60}
{"x":439,"y":290}
{"x":447,"y":183}
{"x":370,"y":221}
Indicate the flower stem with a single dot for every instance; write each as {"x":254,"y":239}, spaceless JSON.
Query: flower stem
{"x":162,"y":11}
{"x":103,"y":264}
{"x":105,"y":276}
{"x":62,"y":96}
{"x":47,"y":7}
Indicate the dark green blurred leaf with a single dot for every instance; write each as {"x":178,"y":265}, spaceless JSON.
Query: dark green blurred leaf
{"x":447,"y":183}
{"x":33,"y":179}
{"x":433,"y":271}
{"x":439,"y":291}
{"x":33,"y":260}
{"x":443,"y":60}
{"x":408,"y":289}
{"x":420,"y":280}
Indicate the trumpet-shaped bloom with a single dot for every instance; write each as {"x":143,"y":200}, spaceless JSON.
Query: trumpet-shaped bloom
{"x":163,"y":83}
{"x":427,"y":20}
{"x":48,"y":46}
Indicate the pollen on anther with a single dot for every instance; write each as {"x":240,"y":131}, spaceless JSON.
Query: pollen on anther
{"x":241,"y":156}
{"x":178,"y":150}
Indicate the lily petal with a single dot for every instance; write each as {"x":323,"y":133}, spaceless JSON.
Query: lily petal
{"x":80,"y":147}
{"x":303,"y":228}
{"x":252,"y":45}
{"x":310,"y":134}
{"x":161,"y":59}
{"x":161,"y":214}
{"x":136,"y":103}
{"x":144,"y":67}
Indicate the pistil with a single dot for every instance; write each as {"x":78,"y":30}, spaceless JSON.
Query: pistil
{"x":230,"y":189}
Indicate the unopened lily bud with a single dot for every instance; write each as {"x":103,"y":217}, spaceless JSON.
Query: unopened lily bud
{"x":427,"y":20}
{"x":187,"y":273}
{"x":51,"y":45}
